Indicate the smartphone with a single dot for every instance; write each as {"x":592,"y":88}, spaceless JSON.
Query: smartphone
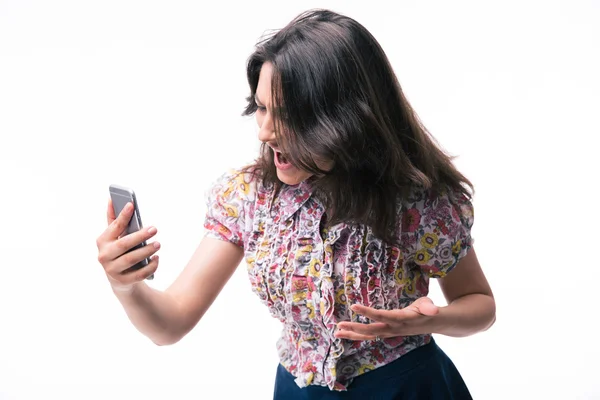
{"x":120,"y":196}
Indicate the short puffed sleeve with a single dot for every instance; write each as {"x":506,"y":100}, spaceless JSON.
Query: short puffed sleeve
{"x":441,"y":224}
{"x":227,"y":207}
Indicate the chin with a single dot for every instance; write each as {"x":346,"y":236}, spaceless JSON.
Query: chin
{"x":292,"y":178}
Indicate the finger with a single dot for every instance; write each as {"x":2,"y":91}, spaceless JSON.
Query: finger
{"x":130,"y":259}
{"x":354,"y":336}
{"x":140,"y":274}
{"x":376,"y":329}
{"x":110,"y":212}
{"x":121,"y":246}
{"x":386,"y":316}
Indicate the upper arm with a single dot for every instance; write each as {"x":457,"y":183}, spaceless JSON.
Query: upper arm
{"x":205,"y":275}
{"x":465,"y":278}
{"x":219,"y":253}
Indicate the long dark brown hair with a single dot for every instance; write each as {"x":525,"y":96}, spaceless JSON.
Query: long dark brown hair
{"x":342,"y":102}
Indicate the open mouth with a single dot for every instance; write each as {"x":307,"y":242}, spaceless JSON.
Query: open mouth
{"x":281,"y":161}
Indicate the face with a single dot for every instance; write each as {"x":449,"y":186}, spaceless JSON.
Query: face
{"x":286,"y":172}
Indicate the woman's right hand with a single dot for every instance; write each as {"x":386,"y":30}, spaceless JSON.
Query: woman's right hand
{"x":113,"y":247}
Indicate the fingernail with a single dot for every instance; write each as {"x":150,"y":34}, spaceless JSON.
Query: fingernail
{"x":152,"y":230}
{"x":156,"y":245}
{"x":128,"y":206}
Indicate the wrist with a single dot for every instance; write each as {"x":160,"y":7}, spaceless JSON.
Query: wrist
{"x":465,"y":316}
{"x":443,"y":321}
{"x":124,"y":289}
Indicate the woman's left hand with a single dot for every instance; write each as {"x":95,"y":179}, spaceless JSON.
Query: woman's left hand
{"x":415,"y":319}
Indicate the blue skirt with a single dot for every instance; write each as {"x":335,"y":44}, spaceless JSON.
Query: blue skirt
{"x":425,"y":373}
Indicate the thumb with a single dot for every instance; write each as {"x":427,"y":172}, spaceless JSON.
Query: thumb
{"x":425,"y":306}
{"x":110,"y":212}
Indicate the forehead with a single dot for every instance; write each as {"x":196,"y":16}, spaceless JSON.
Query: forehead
{"x":263,"y":90}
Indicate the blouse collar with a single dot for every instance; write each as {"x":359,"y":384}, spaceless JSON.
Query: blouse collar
{"x":292,"y":198}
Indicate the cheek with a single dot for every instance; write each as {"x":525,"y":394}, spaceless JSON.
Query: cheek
{"x":259,"y":119}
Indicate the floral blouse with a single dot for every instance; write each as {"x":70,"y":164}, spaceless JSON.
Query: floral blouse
{"x":309,"y":276}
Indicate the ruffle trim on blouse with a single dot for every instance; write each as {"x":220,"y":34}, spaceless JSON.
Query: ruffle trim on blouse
{"x":312,"y":301}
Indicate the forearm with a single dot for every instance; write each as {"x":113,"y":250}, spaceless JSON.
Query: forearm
{"x":154,"y":313}
{"x":466,"y":316}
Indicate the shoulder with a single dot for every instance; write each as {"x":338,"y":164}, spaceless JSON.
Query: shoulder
{"x":235,"y":185}
{"x":421,"y":206}
{"x":444,"y":213}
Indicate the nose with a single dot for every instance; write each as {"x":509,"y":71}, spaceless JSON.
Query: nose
{"x":266,"y":132}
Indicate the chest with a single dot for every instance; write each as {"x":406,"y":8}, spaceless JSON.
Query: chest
{"x":297,"y":263}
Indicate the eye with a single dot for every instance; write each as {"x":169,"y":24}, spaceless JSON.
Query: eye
{"x":261,"y":109}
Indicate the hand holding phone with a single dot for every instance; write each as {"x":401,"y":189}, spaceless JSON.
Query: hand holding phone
{"x":123,"y":250}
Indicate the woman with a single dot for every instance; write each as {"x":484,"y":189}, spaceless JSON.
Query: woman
{"x":342,"y":220}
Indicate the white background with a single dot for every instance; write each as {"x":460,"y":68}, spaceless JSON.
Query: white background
{"x":148,"y":94}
